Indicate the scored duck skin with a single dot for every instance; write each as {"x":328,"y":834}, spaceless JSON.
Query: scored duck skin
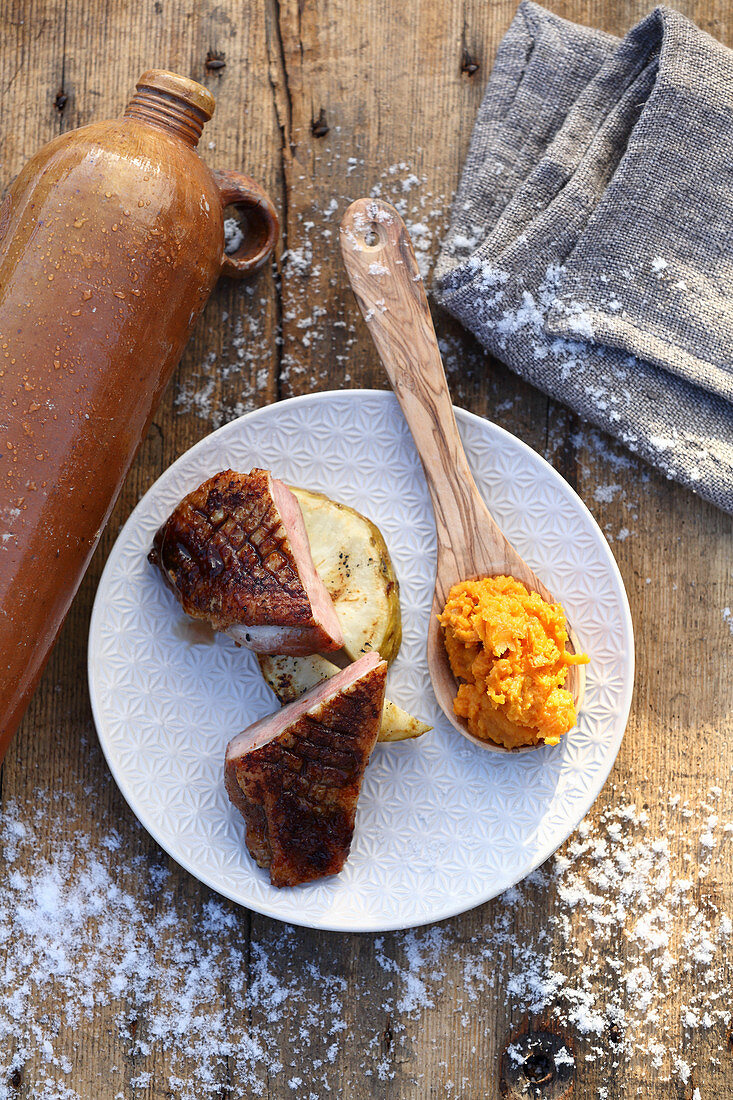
{"x":296,"y":775}
{"x":235,"y":553}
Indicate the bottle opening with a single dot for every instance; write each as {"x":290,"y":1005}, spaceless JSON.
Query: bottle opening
{"x":173,"y":103}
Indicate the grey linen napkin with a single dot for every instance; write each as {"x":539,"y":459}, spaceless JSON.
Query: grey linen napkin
{"x":591,"y":239}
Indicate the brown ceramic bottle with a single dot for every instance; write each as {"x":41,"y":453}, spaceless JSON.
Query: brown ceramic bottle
{"x":111,"y":240}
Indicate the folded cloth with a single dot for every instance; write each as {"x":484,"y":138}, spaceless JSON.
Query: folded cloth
{"x":591,"y":239}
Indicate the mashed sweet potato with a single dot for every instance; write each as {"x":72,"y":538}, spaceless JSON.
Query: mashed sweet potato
{"x":507,"y":645}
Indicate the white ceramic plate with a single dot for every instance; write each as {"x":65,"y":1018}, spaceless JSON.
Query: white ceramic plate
{"x":441,"y":825}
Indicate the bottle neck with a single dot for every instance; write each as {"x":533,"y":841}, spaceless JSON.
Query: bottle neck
{"x":167,"y":112}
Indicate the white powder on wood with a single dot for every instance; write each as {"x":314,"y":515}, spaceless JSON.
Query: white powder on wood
{"x":620,"y":939}
{"x":233,"y":236}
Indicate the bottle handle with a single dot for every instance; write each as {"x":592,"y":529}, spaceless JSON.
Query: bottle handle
{"x":260,"y":223}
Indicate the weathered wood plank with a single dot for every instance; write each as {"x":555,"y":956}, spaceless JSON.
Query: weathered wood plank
{"x":66,"y":79}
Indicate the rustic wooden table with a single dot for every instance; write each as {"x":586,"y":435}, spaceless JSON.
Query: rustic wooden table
{"x":324,"y":100}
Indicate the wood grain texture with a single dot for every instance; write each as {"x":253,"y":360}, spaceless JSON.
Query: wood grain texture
{"x":386,"y":281}
{"x":318,"y":99}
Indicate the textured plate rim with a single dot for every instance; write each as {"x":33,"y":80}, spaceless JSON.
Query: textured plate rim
{"x":451,"y":909}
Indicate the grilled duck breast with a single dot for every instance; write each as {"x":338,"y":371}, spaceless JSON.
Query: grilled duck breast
{"x":235,"y":553}
{"x":296,"y":775}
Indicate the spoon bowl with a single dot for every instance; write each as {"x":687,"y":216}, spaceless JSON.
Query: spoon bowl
{"x":386,"y":281}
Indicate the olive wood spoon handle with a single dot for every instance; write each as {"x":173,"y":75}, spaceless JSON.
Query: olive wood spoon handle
{"x":386,"y":280}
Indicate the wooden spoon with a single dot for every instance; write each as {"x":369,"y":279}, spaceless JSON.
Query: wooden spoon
{"x":383,"y":271}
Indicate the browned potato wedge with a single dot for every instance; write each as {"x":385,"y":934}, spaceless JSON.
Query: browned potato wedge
{"x":289,"y":677}
{"x":352,"y":560}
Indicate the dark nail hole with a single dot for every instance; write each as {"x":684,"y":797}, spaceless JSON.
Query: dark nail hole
{"x":15,"y":1079}
{"x":319,"y":126}
{"x":533,"y":1068}
{"x":539,"y":1067}
{"x":371,"y":236}
{"x":388,"y":1034}
{"x":61,"y":100}
{"x":469,"y":65}
{"x":614,"y":1033}
{"x":133,"y":1027}
{"x":215,"y":61}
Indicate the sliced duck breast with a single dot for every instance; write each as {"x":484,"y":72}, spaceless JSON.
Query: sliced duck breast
{"x":235,"y":553}
{"x":296,"y":775}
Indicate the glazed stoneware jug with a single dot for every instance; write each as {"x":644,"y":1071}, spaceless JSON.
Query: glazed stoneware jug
{"x":111,"y":240}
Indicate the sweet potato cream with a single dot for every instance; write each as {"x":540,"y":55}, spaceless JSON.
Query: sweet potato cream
{"x":507,"y":646}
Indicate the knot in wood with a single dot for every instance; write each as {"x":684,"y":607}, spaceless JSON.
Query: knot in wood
{"x":319,"y":126}
{"x":539,"y":1064}
{"x":469,"y":64}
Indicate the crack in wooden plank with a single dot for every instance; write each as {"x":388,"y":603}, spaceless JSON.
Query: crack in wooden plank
{"x":278,"y":74}
{"x":283,"y":102}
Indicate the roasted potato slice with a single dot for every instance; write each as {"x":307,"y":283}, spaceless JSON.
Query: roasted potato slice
{"x":352,"y":560}
{"x":289,"y":677}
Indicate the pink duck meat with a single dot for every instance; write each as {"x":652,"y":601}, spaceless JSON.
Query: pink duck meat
{"x":296,"y":775}
{"x":235,"y":553}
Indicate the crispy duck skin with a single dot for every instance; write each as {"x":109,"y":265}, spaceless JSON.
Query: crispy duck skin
{"x":296,"y":775}
{"x":235,"y":553}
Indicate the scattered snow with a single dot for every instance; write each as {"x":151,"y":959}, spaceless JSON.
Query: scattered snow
{"x":604,"y":494}
{"x":233,"y":377}
{"x":621,"y":933}
{"x":233,"y":236}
